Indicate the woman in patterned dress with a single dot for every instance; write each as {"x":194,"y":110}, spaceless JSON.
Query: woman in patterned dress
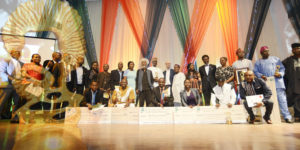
{"x":225,"y":71}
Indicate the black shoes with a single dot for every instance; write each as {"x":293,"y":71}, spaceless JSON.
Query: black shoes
{"x":268,"y":121}
{"x":288,"y":120}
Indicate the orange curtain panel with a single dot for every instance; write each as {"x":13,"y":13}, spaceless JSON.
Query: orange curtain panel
{"x":202,"y":12}
{"x":109,"y":14}
{"x":227,"y":11}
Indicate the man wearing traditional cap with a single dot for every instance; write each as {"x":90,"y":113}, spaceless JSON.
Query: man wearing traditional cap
{"x":242,"y":62}
{"x":270,"y":66}
{"x":292,"y":79}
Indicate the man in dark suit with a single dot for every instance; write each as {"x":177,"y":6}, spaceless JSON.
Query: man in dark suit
{"x":255,"y":86}
{"x":78,"y":76}
{"x":162,"y":95}
{"x":104,"y":84}
{"x":117,"y":75}
{"x":92,"y":96}
{"x":207,"y":72}
{"x":55,"y":67}
{"x":144,"y":84}
{"x":169,"y":75}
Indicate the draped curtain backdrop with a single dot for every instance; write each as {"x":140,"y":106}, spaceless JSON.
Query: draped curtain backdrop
{"x":109,"y":14}
{"x":227,"y":11}
{"x":202,"y":13}
{"x":154,"y":17}
{"x":258,"y":16}
{"x":292,"y":8}
{"x":135,"y":19}
{"x":180,"y":15}
{"x":81,"y":8}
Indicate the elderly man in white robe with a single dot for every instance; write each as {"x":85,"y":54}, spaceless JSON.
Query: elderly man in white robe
{"x":178,"y":85}
{"x":223,"y":94}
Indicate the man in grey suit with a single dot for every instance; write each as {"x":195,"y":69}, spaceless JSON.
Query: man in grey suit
{"x":144,"y":84}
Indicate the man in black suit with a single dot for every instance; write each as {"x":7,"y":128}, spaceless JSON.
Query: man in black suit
{"x":104,"y":84}
{"x":117,"y":75}
{"x":162,"y":95}
{"x":255,"y":86}
{"x":78,"y":76}
{"x":207,"y":72}
{"x":55,"y":67}
{"x":92,"y":96}
{"x":168,"y":75}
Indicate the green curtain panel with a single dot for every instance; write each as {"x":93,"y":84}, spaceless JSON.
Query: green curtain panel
{"x":81,"y":7}
{"x":180,"y":15}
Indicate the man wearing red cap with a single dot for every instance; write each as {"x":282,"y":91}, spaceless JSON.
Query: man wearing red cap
{"x":271,"y":66}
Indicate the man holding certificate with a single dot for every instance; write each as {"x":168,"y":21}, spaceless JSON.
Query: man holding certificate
{"x":256,"y":93}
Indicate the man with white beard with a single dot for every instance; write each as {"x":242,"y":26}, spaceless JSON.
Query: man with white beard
{"x":144,"y":84}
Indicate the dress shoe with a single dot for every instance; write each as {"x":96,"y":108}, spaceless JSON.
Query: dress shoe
{"x":251,"y":121}
{"x":288,"y":120}
{"x":268,"y":121}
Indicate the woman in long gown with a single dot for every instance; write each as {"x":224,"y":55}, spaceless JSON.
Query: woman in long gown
{"x":130,"y":75}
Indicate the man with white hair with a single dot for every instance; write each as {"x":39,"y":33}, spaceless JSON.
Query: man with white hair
{"x":168,"y":74}
{"x":144,"y":84}
{"x":156,"y":72}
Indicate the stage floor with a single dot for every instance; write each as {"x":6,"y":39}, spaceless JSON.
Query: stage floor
{"x":162,"y":137}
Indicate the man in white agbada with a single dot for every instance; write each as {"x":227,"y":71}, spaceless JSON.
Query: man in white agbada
{"x":156,"y":72}
{"x":223,"y":94}
{"x":178,"y":85}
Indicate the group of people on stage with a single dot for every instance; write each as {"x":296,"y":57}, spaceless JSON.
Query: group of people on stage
{"x":150,"y":86}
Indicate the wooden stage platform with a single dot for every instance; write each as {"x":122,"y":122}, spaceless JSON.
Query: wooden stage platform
{"x":159,"y":137}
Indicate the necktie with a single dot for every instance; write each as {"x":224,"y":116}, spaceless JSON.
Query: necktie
{"x":161,"y":96}
{"x":249,"y":89}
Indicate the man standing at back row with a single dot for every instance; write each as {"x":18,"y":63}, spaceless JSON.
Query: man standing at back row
{"x":292,"y":80}
{"x":242,"y":62}
{"x":144,"y":84}
{"x":156,"y":72}
{"x":207,"y":72}
{"x":270,"y":66}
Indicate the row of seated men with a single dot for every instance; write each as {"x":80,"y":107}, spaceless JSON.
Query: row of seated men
{"x":161,"y":96}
